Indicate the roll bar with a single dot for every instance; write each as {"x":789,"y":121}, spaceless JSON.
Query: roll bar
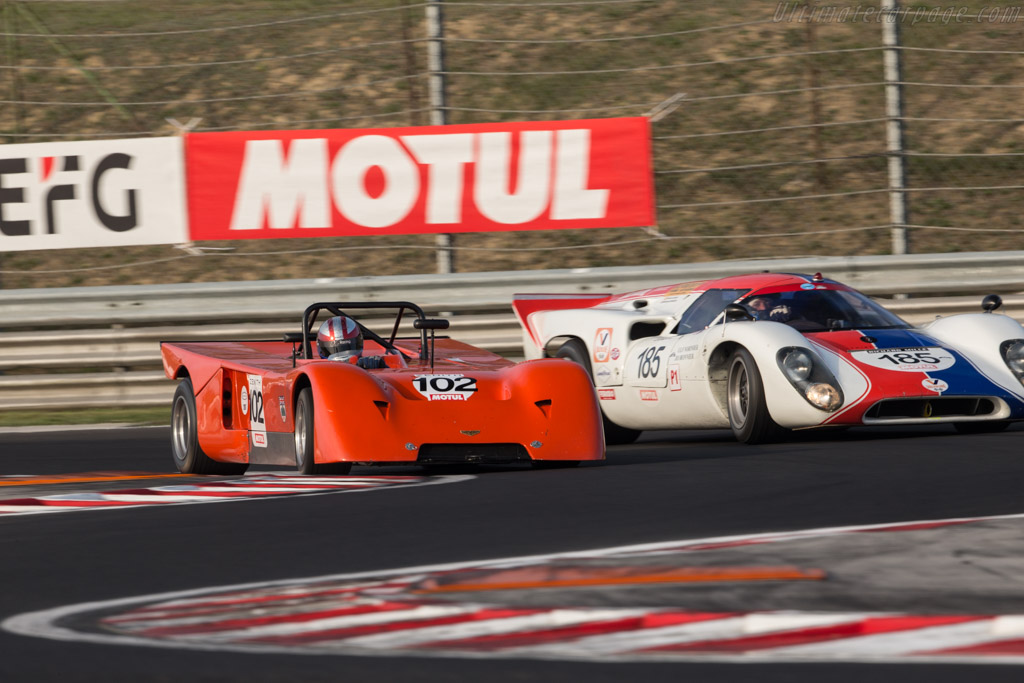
{"x":422,"y":323}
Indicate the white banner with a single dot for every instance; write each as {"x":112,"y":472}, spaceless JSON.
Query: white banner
{"x":97,"y":193}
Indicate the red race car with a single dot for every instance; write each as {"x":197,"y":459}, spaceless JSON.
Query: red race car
{"x":338,"y":393}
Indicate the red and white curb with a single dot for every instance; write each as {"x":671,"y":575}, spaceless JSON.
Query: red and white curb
{"x":375,"y":613}
{"x":249,"y":487}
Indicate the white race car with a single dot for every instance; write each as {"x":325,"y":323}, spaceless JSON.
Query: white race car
{"x":770,"y":352}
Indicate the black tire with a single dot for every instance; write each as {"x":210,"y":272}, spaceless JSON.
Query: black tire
{"x":189,"y":458}
{"x":614,"y":435}
{"x":987,"y":427}
{"x":747,"y":408}
{"x":304,"y":440}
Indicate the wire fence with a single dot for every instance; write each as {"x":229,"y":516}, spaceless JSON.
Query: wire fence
{"x":776,"y":148}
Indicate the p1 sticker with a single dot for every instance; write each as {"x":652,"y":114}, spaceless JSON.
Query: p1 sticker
{"x":918,"y":359}
{"x":602,"y":340}
{"x":257,"y":419}
{"x":673,"y":377}
{"x":445,"y":387}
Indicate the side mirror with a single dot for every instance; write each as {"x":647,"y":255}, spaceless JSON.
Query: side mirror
{"x":293,"y":337}
{"x":430,"y":324}
{"x":991,"y":303}
{"x":734,"y":312}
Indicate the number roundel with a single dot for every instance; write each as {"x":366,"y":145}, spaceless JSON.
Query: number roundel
{"x":650,"y":361}
{"x":445,"y":387}
{"x":924,"y":359}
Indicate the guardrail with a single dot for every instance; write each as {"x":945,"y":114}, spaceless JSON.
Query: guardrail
{"x":98,"y":346}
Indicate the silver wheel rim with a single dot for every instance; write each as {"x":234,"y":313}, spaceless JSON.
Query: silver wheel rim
{"x":181,"y":428}
{"x":300,"y":435}
{"x":739,"y":393}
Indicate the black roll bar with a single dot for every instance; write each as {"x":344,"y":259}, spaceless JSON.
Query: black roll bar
{"x":338,"y":308}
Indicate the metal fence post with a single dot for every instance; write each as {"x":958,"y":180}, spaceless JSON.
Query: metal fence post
{"x":898,"y":214}
{"x":438,"y":111}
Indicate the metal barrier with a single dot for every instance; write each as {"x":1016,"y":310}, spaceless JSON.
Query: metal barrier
{"x":98,"y":346}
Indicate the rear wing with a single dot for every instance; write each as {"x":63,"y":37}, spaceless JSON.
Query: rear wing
{"x":525,"y":305}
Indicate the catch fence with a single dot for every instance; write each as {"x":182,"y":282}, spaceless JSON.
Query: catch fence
{"x":770,"y":119}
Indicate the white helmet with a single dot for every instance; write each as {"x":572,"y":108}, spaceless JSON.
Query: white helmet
{"x":339,"y":335}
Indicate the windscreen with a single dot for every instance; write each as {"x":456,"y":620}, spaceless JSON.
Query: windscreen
{"x":820,"y":310}
{"x":706,"y":308}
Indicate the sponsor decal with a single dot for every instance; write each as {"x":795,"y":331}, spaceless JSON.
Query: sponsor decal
{"x":936,"y":385}
{"x":284,"y":411}
{"x":673,"y":378}
{"x":916,"y":359}
{"x":243,"y":398}
{"x":540,"y":175}
{"x":257,"y":418}
{"x":445,"y":387}
{"x":677,"y":290}
{"x":615,"y":353}
{"x":648,"y":395}
{"x":606,"y":394}
{"x":95,"y":193}
{"x":604,"y":374}
{"x":807,"y":285}
{"x":601,"y":341}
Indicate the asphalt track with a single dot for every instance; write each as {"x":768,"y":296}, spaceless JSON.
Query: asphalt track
{"x":669,"y":487}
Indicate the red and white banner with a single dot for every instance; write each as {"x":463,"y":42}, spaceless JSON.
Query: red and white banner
{"x":460,"y":178}
{"x":97,"y":193}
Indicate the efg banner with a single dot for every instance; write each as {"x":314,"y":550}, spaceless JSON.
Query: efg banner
{"x":98,"y":193}
{"x":459,"y":178}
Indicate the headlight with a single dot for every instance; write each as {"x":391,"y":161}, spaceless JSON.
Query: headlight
{"x":813,"y":380}
{"x":797,"y":365}
{"x":823,"y":396}
{"x":1013,"y":354}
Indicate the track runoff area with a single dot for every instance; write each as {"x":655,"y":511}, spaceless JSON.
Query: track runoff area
{"x":753,"y":598}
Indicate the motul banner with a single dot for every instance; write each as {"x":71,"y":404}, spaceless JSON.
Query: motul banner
{"x":464,"y":178}
{"x":98,"y":193}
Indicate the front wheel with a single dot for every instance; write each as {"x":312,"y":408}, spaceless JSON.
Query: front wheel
{"x":189,"y":457}
{"x":614,"y":434}
{"x":747,"y":407}
{"x":304,"y":440}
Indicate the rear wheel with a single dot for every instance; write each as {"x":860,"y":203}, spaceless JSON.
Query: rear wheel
{"x":304,"y":440}
{"x":747,"y":407}
{"x":986,"y":427}
{"x":614,"y":434}
{"x":189,"y":457}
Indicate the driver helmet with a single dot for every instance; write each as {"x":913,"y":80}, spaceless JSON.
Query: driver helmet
{"x":339,"y":335}
{"x":760,"y":305}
